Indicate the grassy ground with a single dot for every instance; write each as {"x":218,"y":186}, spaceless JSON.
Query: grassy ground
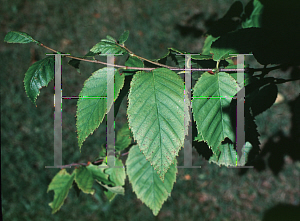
{"x":209,"y":193}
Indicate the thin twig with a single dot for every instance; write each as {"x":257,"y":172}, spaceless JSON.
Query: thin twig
{"x":250,"y":70}
{"x":134,"y":55}
{"x":86,"y":164}
{"x":139,"y":68}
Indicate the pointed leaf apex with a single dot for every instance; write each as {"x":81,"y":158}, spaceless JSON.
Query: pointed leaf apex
{"x":124,"y":37}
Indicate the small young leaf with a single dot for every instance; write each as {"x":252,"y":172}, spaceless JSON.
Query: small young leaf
{"x":123,"y":37}
{"x":19,"y":37}
{"x":108,"y":47}
{"x":207,"y":44}
{"x":37,"y":76}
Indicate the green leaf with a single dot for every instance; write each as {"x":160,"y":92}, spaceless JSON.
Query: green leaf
{"x":253,"y":14}
{"x":199,"y":137}
{"x":110,"y":38}
{"x":108,"y":47}
{"x":99,"y":174}
{"x":60,"y":184}
{"x":178,"y":59}
{"x":212,"y":120}
{"x":37,"y":76}
{"x":147,"y":185}
{"x":92,"y":109}
{"x":124,"y":37}
{"x":114,"y":190}
{"x":177,"y":51}
{"x":156,"y":116}
{"x":84,"y":180}
{"x":118,"y":176}
{"x":227,"y":155}
{"x":207,"y":44}
{"x":85,"y":175}
{"x":19,"y":37}
{"x":177,"y":56}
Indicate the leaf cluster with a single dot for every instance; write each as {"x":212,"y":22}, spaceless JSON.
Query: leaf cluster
{"x":158,"y":108}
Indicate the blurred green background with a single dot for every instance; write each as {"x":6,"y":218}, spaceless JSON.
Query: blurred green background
{"x":209,"y":193}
